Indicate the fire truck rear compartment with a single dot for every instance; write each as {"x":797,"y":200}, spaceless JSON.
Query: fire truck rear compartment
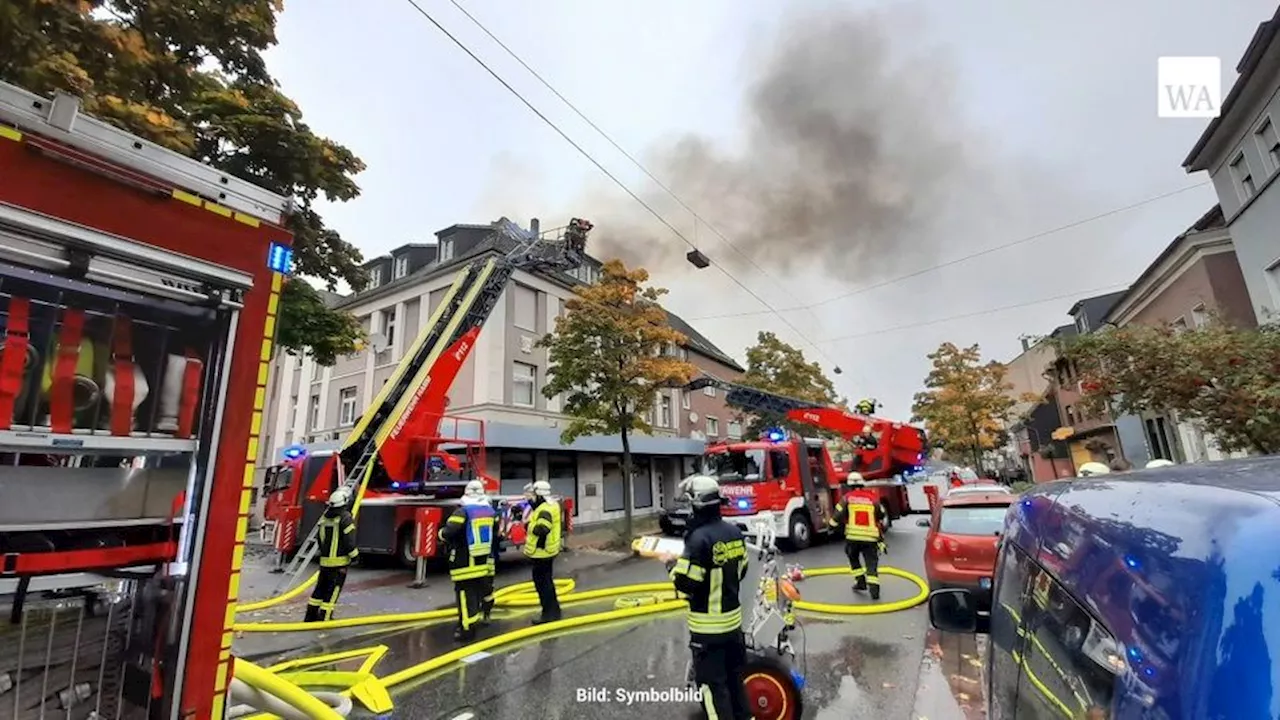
{"x":103,"y":436}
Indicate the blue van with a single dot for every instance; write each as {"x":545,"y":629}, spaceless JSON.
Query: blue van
{"x":1150,"y":594}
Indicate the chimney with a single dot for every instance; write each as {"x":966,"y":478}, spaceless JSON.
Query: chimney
{"x":1026,"y":344}
{"x":534,"y":226}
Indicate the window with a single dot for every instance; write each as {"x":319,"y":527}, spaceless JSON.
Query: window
{"x":1243,"y":177}
{"x":315,"y":412}
{"x":641,"y":482}
{"x":735,"y":430}
{"x":523,"y":382}
{"x":684,"y":400}
{"x":446,"y":251}
{"x":709,"y":391}
{"x":1179,"y":325}
{"x":347,"y":407}
{"x":562,"y":473}
{"x":525,"y":301}
{"x":1199,"y":316}
{"x":713,"y":427}
{"x":514,"y":472}
{"x":1073,"y":655}
{"x":1269,"y":143}
{"x":613,"y":495}
{"x":389,"y":326}
{"x":973,"y":520}
{"x":664,"y":410}
{"x":1071,"y":414}
{"x":375,"y":276}
{"x":317,"y":371}
{"x":402,"y":266}
{"x":1082,"y":324}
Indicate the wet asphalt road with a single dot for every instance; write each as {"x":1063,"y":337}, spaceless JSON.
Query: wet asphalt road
{"x":856,"y":667}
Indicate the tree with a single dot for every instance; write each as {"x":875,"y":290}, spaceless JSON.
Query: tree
{"x":965,"y":403}
{"x":189,"y":75}
{"x":608,"y":359}
{"x":780,"y":368}
{"x":1220,"y":375}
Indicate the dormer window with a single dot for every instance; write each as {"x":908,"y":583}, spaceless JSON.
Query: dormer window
{"x":1082,"y":324}
{"x":402,"y":266}
{"x":375,"y":276}
{"x":446,"y":250}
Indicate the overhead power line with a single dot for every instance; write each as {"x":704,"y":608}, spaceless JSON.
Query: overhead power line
{"x":978,"y":313}
{"x":582,"y":151}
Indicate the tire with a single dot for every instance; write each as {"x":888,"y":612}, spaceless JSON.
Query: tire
{"x":404,"y":545}
{"x":888,"y":514}
{"x":801,"y":531}
{"x":771,"y":691}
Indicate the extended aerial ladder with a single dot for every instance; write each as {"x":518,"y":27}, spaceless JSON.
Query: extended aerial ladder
{"x":452,"y":328}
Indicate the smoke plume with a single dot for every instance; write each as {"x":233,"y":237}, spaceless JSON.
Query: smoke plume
{"x":852,"y":151}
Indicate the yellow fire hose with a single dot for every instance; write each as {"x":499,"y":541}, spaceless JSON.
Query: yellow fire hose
{"x":372,"y":691}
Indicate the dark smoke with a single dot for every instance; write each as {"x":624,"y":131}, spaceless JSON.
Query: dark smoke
{"x":852,"y":149}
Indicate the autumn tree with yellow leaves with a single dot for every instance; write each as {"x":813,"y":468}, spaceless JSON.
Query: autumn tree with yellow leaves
{"x":608,"y":359}
{"x":965,"y":403}
{"x":189,"y":75}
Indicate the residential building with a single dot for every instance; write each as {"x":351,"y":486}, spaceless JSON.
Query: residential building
{"x":1089,"y":435}
{"x":1026,"y":377}
{"x":1196,"y":277}
{"x":500,"y":383}
{"x":1240,"y":149}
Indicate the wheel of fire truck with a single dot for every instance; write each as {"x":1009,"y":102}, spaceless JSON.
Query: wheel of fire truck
{"x":801,"y":531}
{"x":888,"y":513}
{"x":771,"y":689}
{"x":405,"y":550}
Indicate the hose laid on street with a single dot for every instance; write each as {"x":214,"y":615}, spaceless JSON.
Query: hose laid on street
{"x":251,"y":701}
{"x":305,"y":702}
{"x":876,"y":608}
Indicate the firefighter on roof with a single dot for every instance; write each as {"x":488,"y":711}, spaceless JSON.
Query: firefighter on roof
{"x":542,"y":545}
{"x":337,"y":542}
{"x":866,"y":406}
{"x":709,"y":574}
{"x":862,"y":517}
{"x":468,"y":535}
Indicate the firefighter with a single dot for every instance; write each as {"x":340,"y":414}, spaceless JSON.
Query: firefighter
{"x":866,"y":406}
{"x":542,"y":545}
{"x":468,"y":535}
{"x":862,"y":518}
{"x":337,"y":543}
{"x":475,"y":491}
{"x":709,"y":574}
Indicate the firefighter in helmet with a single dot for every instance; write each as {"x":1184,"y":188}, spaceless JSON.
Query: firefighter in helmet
{"x":337,"y":543}
{"x":542,"y":545}
{"x":1093,"y":469}
{"x":709,"y":574}
{"x":468,"y":535}
{"x":866,"y":406}
{"x":475,"y":491}
{"x":862,"y":519}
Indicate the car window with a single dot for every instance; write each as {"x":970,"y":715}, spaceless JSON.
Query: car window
{"x":1006,"y":625}
{"x":1069,"y":659}
{"x":973,"y":519}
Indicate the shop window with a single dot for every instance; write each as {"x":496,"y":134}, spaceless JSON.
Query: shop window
{"x":516,"y":469}
{"x":641,"y":482}
{"x":562,"y":473}
{"x":613,"y":490}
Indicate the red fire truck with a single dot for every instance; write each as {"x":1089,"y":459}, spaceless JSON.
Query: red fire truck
{"x":794,"y":478}
{"x":138,"y":296}
{"x":405,"y":473}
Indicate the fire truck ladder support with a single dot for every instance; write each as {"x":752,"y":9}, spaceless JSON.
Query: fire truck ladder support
{"x":466,"y":305}
{"x":751,"y":399}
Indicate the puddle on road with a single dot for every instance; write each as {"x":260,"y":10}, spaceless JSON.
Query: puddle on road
{"x":951,"y":678}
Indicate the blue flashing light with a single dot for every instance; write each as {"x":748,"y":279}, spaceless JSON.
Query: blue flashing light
{"x":293,"y":452}
{"x":798,"y":679}
{"x":395,"y":486}
{"x":776,"y":435}
{"x":1135,"y":654}
{"x":743,"y":503}
{"x":1149,"y":671}
{"x":1132,"y":562}
{"x":280,"y":259}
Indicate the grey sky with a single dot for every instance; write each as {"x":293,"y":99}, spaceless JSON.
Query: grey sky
{"x":1052,"y":106}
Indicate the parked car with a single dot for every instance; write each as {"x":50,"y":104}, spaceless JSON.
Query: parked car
{"x":978,"y":488}
{"x":674,"y":518}
{"x":1151,"y":596}
{"x":960,"y":549}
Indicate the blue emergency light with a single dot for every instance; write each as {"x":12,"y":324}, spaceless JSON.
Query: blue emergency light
{"x":280,"y":258}
{"x":743,"y":503}
{"x":776,"y":435}
{"x":293,"y":452}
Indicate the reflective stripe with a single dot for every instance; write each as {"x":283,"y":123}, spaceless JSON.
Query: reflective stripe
{"x":715,"y":623}
{"x":709,"y":703}
{"x":858,"y":572}
{"x":694,"y":572}
{"x":471,"y":572}
{"x":715,"y":596}
{"x":335,"y":561}
{"x":861,"y":523}
{"x":545,"y":515}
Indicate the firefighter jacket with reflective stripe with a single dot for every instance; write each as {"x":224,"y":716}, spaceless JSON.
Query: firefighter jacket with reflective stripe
{"x":544,"y":530}
{"x":337,"y":538}
{"x":860,"y":515}
{"x":468,"y":533}
{"x":709,"y":574}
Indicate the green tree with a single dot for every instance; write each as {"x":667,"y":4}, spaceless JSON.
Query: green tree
{"x":776,"y":366}
{"x":607,"y":361}
{"x":189,"y":75}
{"x":1221,"y":375}
{"x":965,"y":403}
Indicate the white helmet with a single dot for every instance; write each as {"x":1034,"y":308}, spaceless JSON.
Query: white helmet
{"x":542,"y":488}
{"x":475,"y":490}
{"x":1091,"y":469}
{"x":1160,"y":462}
{"x":702,"y":490}
{"x":340,"y":497}
{"x":854,"y":478}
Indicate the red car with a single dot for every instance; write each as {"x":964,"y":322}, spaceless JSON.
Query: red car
{"x":960,"y":549}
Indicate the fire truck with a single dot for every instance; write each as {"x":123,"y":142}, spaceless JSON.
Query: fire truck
{"x":794,"y":478}
{"x":139,"y":292}
{"x":405,"y":473}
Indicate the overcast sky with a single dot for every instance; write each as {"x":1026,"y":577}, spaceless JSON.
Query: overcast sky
{"x":836,"y":145}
